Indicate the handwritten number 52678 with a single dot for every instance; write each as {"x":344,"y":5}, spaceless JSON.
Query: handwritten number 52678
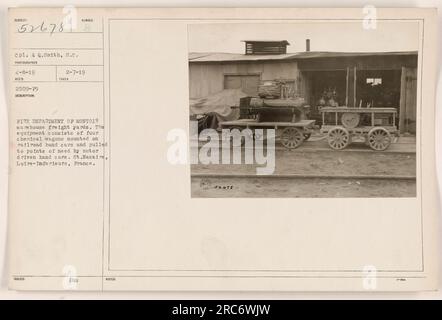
{"x":42,"y":27}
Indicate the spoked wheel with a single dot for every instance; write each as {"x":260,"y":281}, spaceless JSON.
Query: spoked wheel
{"x":379,"y":139}
{"x":291,"y":138}
{"x":338,"y":138}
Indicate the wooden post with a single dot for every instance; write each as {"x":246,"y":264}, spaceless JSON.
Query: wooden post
{"x":354,"y":87}
{"x":402,"y":101}
{"x":346,"y":86}
{"x":351,"y":88}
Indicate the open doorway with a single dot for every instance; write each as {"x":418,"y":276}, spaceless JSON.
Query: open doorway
{"x":325,"y":88}
{"x":378,"y":88}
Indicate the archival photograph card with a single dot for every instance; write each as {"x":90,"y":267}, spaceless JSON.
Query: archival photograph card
{"x":264,"y":149}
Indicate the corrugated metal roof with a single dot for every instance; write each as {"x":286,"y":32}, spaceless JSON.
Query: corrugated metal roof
{"x":237,"y":57}
{"x":195,"y":55}
{"x":219,"y":57}
{"x":274,"y":41}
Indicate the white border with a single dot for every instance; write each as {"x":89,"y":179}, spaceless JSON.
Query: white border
{"x":5,"y":294}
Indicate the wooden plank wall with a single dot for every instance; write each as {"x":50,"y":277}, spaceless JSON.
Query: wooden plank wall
{"x":208,"y":78}
{"x":408,"y":101}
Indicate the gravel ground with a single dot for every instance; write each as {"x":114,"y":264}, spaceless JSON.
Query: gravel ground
{"x":346,"y":167}
{"x":326,"y":163}
{"x":305,"y":188}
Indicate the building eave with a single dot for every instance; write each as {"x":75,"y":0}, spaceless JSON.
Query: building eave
{"x":233,"y":57}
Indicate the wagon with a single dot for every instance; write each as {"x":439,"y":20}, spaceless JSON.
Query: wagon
{"x":376,"y":127}
{"x":290,"y":123}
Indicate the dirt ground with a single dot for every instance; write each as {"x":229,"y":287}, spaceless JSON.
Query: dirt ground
{"x":330,"y":163}
{"x":332,"y":174}
{"x":304,"y":188}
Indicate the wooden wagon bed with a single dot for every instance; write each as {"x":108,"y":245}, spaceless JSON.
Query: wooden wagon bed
{"x":347,"y":126}
{"x":292,"y":134}
{"x":253,"y":123}
{"x":359,"y":110}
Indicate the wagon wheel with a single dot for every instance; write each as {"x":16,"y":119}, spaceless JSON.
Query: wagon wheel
{"x":257,"y":136}
{"x":291,"y":138}
{"x":338,"y":138}
{"x":243,"y":139}
{"x":350,"y":120}
{"x":379,"y":138}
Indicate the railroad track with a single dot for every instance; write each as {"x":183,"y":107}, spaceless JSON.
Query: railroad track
{"x":301,"y":176}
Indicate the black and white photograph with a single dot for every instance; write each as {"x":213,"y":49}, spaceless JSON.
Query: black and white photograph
{"x":220,"y":153}
{"x":308,"y":109}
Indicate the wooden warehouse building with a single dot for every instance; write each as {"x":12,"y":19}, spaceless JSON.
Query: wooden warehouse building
{"x":375,"y":79}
